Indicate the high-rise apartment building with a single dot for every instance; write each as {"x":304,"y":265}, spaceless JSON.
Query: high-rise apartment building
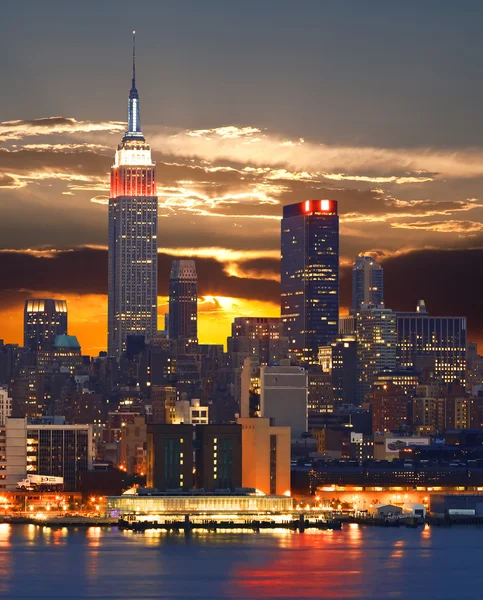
{"x":442,"y":340}
{"x":44,"y":319}
{"x":310,"y":276}
{"x":376,"y":347}
{"x":367,"y":282}
{"x":133,"y":225}
{"x":183,"y":305}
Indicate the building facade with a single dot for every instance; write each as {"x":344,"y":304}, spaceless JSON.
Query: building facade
{"x":265,"y":456}
{"x":44,"y":319}
{"x":262,"y":337}
{"x":183,"y":305}
{"x":367,"y":282}
{"x":310,"y":276}
{"x":218,"y":457}
{"x":59,"y":450}
{"x":376,"y":347}
{"x":169,"y":462}
{"x":442,"y":340}
{"x":133,"y":225}
{"x":284,"y":397}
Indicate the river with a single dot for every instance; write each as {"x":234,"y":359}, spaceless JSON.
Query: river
{"x":357,"y":562}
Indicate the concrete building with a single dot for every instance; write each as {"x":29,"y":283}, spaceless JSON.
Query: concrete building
{"x":284,"y":397}
{"x":169,"y":457}
{"x":59,"y":450}
{"x":133,"y":244}
{"x":218,"y":457}
{"x":265,"y":456}
{"x":5,"y":406}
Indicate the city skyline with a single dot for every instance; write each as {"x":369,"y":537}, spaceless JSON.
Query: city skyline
{"x":225,"y":174}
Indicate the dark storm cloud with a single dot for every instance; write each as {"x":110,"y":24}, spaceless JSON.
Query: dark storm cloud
{"x":449,"y":281}
{"x":84,"y":271}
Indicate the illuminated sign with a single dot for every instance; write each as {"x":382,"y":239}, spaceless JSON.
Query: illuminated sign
{"x":318,"y":206}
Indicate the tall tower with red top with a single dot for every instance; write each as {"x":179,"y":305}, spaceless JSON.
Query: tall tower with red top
{"x":133,"y":228}
{"x":310,"y":277}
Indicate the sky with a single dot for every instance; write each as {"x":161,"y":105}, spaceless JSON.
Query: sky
{"x":248,"y":106}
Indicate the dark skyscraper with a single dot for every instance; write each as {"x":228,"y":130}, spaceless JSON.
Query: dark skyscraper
{"x":183,"y":304}
{"x":133,"y":224}
{"x":44,"y":319}
{"x":310,"y":276}
{"x":367,"y":282}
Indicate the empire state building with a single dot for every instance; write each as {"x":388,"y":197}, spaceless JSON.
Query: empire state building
{"x":133,"y":225}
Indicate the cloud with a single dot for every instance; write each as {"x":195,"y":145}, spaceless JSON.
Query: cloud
{"x":250,"y":146}
{"x":16,"y":130}
{"x":449,"y":226}
{"x":84,"y":271}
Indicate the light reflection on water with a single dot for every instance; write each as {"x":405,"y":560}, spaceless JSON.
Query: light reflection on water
{"x":357,"y":562}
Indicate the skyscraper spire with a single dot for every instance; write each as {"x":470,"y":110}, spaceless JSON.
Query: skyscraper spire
{"x":133,"y":112}
{"x":134,"y":59}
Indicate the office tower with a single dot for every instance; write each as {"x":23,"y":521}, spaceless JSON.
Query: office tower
{"x":133,"y":224}
{"x":169,"y":462}
{"x":284,"y":396}
{"x":262,"y":337}
{"x":310,"y":276}
{"x":218,"y":457}
{"x":44,"y":319}
{"x":183,"y":305}
{"x":442,"y":340}
{"x":265,"y":456}
{"x":376,"y":347}
{"x":367,"y":282}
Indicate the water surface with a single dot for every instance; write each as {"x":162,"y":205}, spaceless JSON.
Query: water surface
{"x":356,"y":562}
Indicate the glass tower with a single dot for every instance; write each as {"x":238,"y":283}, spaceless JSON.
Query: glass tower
{"x":133,"y":224}
{"x":310,"y":276}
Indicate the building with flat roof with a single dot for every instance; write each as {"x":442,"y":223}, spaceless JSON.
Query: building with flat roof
{"x":265,"y":456}
{"x":44,"y":319}
{"x":148,"y":503}
{"x":284,"y":397}
{"x":440,"y":339}
{"x":310,"y":276}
